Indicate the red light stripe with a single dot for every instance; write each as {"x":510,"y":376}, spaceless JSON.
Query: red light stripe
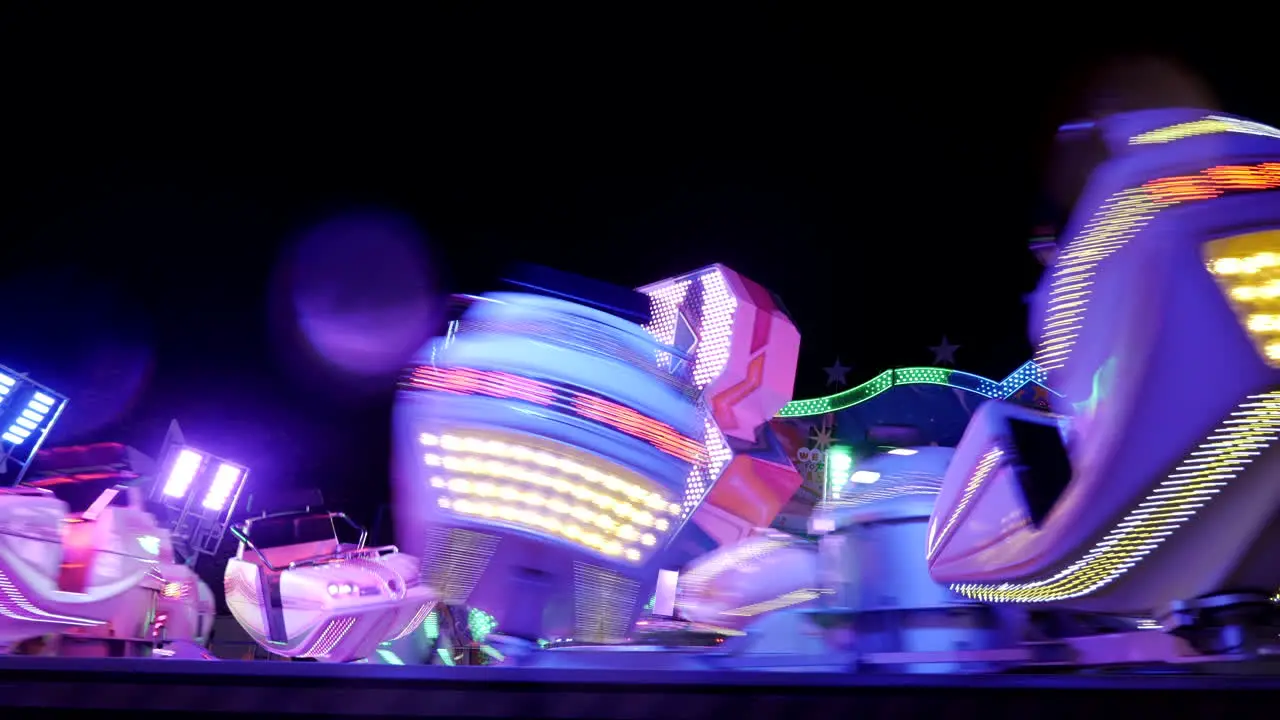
{"x":465,"y":381}
{"x":1214,"y":182}
{"x":478,"y":382}
{"x":659,"y":434}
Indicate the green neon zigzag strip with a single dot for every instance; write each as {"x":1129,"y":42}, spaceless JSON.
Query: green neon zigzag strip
{"x":1029,"y":372}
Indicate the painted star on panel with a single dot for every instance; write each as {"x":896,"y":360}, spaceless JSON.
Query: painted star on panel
{"x":836,"y":374}
{"x":944,"y":353}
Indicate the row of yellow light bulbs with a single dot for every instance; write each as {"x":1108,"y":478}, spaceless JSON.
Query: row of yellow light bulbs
{"x":532,"y":518}
{"x":496,"y":448}
{"x":463,"y":486}
{"x":1168,"y":507}
{"x":1245,"y":265}
{"x":1117,"y":552}
{"x":495,"y":469}
{"x":1120,"y":218}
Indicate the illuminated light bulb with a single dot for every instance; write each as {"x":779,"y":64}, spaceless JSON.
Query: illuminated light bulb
{"x":1267,"y":291}
{"x":648,"y":539}
{"x":631,"y":554}
{"x":1246,"y":265}
{"x":431,"y":459}
{"x":1264,"y":323}
{"x":437,"y":482}
{"x":429,"y":440}
{"x":662,"y":524}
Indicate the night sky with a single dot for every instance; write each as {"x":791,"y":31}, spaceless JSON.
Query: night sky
{"x":164,"y":175}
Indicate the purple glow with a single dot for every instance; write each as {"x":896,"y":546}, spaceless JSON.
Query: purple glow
{"x":361,"y":292}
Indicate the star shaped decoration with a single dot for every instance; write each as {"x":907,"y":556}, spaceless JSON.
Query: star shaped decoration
{"x":1041,"y":397}
{"x":944,"y":353}
{"x":836,"y":374}
{"x":822,"y":438}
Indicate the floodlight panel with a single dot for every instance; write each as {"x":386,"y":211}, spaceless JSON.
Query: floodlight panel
{"x":183,"y":473}
{"x":38,"y":412}
{"x":28,"y":410}
{"x":226,"y":480}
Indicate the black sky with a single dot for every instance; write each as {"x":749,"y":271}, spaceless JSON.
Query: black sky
{"x":155,"y":164}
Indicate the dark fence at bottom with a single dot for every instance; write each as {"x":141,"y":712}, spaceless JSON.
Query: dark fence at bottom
{"x":205,"y":689}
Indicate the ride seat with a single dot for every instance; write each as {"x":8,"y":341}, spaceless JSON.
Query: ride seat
{"x":281,"y":556}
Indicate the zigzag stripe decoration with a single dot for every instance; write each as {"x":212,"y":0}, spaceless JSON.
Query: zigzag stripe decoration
{"x":1028,"y":373}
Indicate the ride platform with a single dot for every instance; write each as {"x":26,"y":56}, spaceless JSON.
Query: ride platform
{"x":149,"y":687}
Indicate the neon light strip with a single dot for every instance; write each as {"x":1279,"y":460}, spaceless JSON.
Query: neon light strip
{"x":1029,"y":372}
{"x":1203,"y":473}
{"x":986,"y":464}
{"x":1116,"y":222}
{"x":464,"y":381}
{"x":1208,"y":125}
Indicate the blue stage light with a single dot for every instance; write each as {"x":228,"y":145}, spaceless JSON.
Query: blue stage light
{"x":28,"y":410}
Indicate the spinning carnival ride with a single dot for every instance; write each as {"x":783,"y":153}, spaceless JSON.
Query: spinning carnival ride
{"x":554,"y":455}
{"x":1157,"y":321}
{"x":558,"y":450}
